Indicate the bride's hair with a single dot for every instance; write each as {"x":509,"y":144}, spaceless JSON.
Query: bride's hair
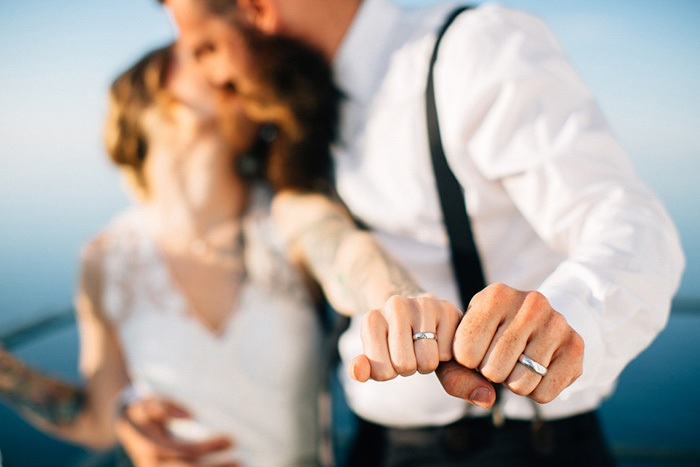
{"x":292,"y":91}
{"x":134,"y":91}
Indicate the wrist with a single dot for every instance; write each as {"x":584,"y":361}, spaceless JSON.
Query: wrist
{"x":11,"y":372}
{"x":125,"y":398}
{"x":409,"y":291}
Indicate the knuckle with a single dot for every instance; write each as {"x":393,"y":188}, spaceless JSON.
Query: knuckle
{"x":521,"y":387}
{"x":395,"y":301}
{"x":427,"y":364}
{"x":450,"y":314}
{"x":405,"y":367}
{"x":464,"y":356}
{"x":496,"y":290}
{"x":426,"y":301}
{"x":577,"y":374}
{"x":536,"y":298}
{"x":543,"y":396}
{"x":479,"y":294}
{"x":576,"y":343}
{"x":445,"y":353}
{"x":492,"y":373}
{"x":383,"y":374}
{"x":534,"y":304}
{"x":372,"y":320}
{"x":487,"y":294}
{"x":557,"y":322}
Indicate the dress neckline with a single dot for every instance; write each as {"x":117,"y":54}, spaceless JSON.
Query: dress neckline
{"x":166,"y":281}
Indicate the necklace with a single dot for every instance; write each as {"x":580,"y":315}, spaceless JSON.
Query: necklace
{"x":203,"y":248}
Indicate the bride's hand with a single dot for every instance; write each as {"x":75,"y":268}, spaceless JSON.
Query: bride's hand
{"x":142,"y":431}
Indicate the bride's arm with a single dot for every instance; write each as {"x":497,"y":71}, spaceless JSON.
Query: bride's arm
{"x":353,"y":269}
{"x":79,"y":414}
{"x":359,"y":276}
{"x":33,"y":394}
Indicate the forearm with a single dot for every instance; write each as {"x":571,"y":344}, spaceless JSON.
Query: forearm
{"x":38,"y":396}
{"x":363,"y":273}
{"x":56,"y":407}
{"x":353,"y":269}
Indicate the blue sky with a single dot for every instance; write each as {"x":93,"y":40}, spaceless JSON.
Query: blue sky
{"x":641,"y":58}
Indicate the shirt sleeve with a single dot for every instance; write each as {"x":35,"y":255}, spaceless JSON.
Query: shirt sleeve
{"x":529,"y":124}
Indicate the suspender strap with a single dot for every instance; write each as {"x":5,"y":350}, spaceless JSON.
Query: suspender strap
{"x":465,"y":258}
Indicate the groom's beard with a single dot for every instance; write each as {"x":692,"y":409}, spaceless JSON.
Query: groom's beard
{"x":291,"y":88}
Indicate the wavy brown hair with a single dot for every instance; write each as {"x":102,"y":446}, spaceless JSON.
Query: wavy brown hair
{"x":131,"y":93}
{"x":292,"y":89}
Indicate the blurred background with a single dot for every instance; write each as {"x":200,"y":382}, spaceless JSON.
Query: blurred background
{"x":641,"y":58}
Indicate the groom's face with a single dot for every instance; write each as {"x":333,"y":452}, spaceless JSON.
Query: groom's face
{"x":279,"y":80}
{"x":275,"y":80}
{"x":216,"y":44}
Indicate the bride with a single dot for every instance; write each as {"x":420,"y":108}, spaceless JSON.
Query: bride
{"x":199,"y":295}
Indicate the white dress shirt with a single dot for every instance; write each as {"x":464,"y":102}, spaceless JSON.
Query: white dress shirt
{"x":554,"y":203}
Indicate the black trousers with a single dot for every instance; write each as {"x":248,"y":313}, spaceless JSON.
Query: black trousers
{"x":575,"y":441}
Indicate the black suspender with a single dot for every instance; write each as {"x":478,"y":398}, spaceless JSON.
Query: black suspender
{"x":465,"y":258}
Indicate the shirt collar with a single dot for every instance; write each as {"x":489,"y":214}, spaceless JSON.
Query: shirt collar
{"x":358,"y":65}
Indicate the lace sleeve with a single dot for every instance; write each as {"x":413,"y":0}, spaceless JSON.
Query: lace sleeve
{"x":109,"y":270}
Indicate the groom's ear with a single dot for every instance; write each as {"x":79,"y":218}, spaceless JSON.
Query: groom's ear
{"x":263,"y":15}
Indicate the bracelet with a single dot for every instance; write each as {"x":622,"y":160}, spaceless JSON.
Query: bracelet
{"x":125,"y":398}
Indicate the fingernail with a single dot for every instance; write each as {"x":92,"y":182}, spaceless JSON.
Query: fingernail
{"x":481,"y":397}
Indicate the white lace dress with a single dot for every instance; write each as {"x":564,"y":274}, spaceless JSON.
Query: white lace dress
{"x":257,"y":380}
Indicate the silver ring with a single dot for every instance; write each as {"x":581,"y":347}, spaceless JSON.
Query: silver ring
{"x":424,"y":335}
{"x":530,"y":364}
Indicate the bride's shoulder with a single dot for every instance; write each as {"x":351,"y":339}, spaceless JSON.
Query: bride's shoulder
{"x":118,"y":233}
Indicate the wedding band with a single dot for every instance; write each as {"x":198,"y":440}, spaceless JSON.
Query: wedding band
{"x":530,"y":364}
{"x":424,"y":335}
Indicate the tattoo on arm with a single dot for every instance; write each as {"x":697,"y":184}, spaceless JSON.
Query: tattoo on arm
{"x":30,"y":392}
{"x":366,"y":267}
{"x":353,"y":263}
